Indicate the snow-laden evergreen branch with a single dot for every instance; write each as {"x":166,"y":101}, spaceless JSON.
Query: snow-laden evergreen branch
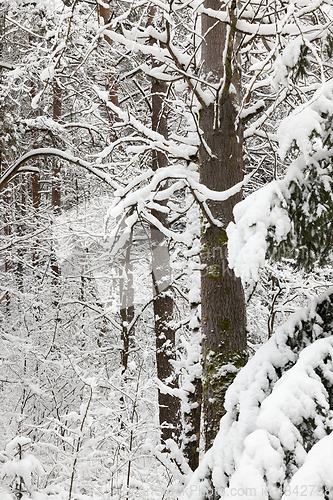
{"x":279,"y":409}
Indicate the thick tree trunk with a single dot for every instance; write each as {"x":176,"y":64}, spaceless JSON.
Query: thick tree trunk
{"x":169,"y":405}
{"x":223,"y":305}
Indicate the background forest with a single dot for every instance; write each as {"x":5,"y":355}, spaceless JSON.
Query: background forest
{"x":166,"y":206}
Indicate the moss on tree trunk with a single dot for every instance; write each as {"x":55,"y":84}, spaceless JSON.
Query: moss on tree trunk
{"x":221,"y":166}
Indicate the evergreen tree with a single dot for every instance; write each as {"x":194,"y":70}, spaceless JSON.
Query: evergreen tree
{"x":278,"y":417}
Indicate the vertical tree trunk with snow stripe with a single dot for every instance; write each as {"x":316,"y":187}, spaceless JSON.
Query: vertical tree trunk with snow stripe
{"x":56,"y":186}
{"x":192,"y":415}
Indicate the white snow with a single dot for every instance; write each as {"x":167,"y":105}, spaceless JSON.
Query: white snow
{"x":12,"y":446}
{"x":23,"y":468}
{"x":286,"y":61}
{"x":304,"y":121}
{"x":265,"y":209}
{"x":247,"y":236}
{"x":315,"y":473}
{"x":273,"y":399}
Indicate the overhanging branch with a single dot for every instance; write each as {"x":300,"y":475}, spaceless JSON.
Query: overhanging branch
{"x":19,"y":166}
{"x":6,"y":65}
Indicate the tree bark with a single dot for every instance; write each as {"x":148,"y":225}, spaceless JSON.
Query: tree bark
{"x":126,"y":287}
{"x":111,"y":85}
{"x":6,"y":199}
{"x":192,"y":416}
{"x":56,"y":191}
{"x":169,"y":405}
{"x":35,"y":206}
{"x":223,"y":305}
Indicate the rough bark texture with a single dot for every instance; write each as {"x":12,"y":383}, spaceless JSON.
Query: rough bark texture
{"x":169,"y":406}
{"x":193,"y":418}
{"x":223,"y":305}
{"x":111,"y":84}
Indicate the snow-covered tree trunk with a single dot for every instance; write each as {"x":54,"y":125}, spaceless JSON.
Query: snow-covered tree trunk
{"x":169,"y":405}
{"x":192,"y":411}
{"x":56,"y":186}
{"x":126,"y":306}
{"x":56,"y":190}
{"x":221,"y":167}
{"x":111,"y":85}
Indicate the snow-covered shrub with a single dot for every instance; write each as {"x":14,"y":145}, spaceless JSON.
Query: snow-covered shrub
{"x":20,"y":472}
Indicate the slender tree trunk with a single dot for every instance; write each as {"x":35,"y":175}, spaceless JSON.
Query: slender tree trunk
{"x":56,"y":191}
{"x":34,"y":183}
{"x":192,"y":416}
{"x":111,"y":85}
{"x":35,"y":206}
{"x":126,"y":288}
{"x":193,"y":373}
{"x":223,"y":305}
{"x":169,"y":405}
{"x":126,"y":307}
{"x":56,"y":188}
{"x":6,"y":198}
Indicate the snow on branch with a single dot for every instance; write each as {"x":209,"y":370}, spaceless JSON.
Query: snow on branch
{"x":274,"y":436}
{"x":248,"y":235}
{"x":20,"y":165}
{"x":153,"y":139}
{"x":306,"y":125}
{"x":281,"y":27}
{"x":157,"y":189}
{"x":6,"y":65}
{"x":172,"y":172}
{"x":269,"y":213}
